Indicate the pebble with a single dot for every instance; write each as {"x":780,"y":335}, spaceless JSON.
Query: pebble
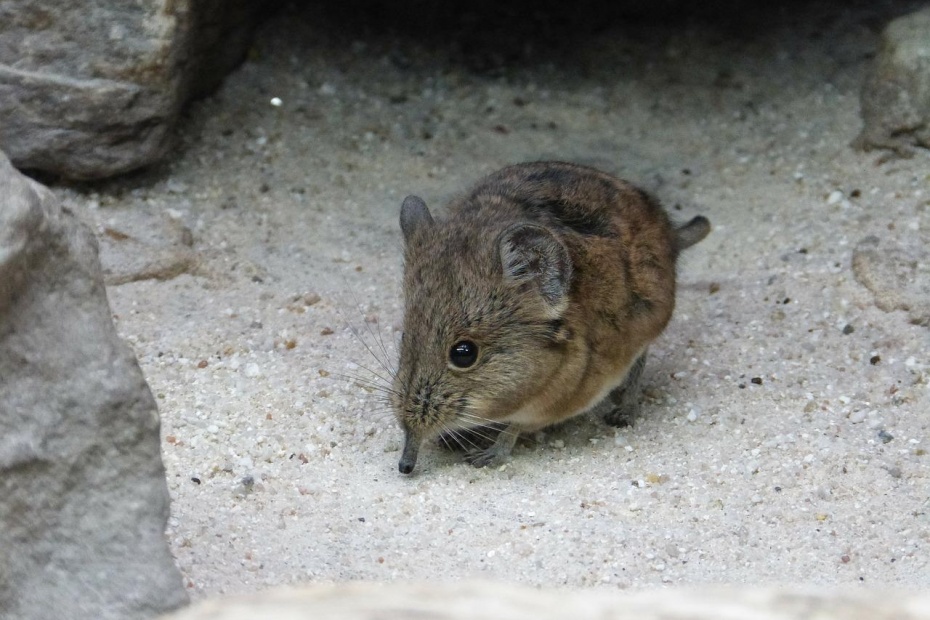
{"x":857,"y":417}
{"x":175,"y":187}
{"x":252,"y":370}
{"x":834,"y":197}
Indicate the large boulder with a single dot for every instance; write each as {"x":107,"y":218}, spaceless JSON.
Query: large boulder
{"x":92,"y":89}
{"x":435,"y":601}
{"x":83,"y":496}
{"x":895,"y":98}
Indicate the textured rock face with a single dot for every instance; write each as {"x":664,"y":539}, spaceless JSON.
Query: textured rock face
{"x":896,"y":94}
{"x":92,"y":89}
{"x":367,"y":601}
{"x":83,"y":498}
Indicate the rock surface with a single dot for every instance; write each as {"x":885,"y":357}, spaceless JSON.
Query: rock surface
{"x":368,"y":601}
{"x":93,"y":89}
{"x":895,"y":98}
{"x":84,"y":500}
{"x":141,"y":247}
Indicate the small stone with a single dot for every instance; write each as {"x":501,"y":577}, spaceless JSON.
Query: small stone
{"x":875,"y":359}
{"x":252,"y":370}
{"x":885,"y":436}
{"x":848,"y":329}
{"x":756,"y":380}
{"x":896,"y":273}
{"x":834,"y":197}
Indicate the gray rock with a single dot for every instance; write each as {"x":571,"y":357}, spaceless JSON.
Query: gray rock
{"x":83,"y":497}
{"x":895,"y":98}
{"x":93,"y":89}
{"x":466,"y":601}
{"x":897,"y":273}
{"x":141,"y":246}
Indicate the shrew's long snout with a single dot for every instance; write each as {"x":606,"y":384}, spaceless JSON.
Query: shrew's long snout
{"x":408,"y":459}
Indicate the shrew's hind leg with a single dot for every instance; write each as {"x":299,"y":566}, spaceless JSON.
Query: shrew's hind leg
{"x":622,"y":405}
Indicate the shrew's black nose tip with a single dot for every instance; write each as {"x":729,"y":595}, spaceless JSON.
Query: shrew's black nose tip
{"x":409,"y":457}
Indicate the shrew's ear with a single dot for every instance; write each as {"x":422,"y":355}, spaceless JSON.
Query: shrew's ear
{"x":413,"y":215}
{"x":531,"y":253}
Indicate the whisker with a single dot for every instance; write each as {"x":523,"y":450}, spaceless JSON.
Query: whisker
{"x":383,"y":362}
{"x":379,"y":382}
{"x":476,"y":418}
{"x":382,"y":389}
{"x":459,"y":437}
{"x":375,"y":374}
{"x":479,"y":431}
{"x":447,"y":434}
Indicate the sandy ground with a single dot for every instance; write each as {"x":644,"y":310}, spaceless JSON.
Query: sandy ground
{"x":785,"y":425}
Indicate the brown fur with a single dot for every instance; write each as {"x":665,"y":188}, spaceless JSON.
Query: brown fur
{"x":545,"y":353}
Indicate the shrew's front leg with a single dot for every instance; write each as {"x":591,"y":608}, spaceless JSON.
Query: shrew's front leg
{"x":496,"y":452}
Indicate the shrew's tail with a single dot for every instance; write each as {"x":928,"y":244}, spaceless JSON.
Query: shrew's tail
{"x":692,"y":232}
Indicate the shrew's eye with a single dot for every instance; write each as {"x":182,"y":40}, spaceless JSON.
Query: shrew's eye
{"x":463,"y":354}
